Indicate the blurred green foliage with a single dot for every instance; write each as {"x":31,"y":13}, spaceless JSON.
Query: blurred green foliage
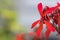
{"x":8,"y":22}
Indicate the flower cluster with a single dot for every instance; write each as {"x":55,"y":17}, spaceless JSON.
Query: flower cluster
{"x":48,"y":14}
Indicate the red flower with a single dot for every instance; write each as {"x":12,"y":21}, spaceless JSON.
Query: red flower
{"x":43,"y":20}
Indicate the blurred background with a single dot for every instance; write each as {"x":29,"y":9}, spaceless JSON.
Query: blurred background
{"x":16,"y":16}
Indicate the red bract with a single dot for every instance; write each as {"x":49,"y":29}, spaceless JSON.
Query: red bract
{"x":49,"y":11}
{"x":49,"y":26}
{"x":44,"y":19}
{"x":39,"y":29}
{"x":40,"y":8}
{"x":35,"y":23}
{"x":47,"y":33}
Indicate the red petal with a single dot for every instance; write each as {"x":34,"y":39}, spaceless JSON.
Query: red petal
{"x":49,"y":26}
{"x":20,"y":37}
{"x":47,"y":33}
{"x":58,"y":5}
{"x":35,"y":23}
{"x":40,"y":8}
{"x":49,"y":11}
{"x":39,"y":29}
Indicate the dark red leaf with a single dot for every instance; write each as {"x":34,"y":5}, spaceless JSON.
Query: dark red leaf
{"x":40,"y":8}
{"x":47,"y":33}
{"x":35,"y":23}
{"x":49,"y":26}
{"x":39,"y":29}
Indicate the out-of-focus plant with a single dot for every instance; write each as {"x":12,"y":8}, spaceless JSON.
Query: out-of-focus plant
{"x":7,"y":14}
{"x":8,"y":17}
{"x":8,"y":4}
{"x":9,"y":21}
{"x":28,"y":36}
